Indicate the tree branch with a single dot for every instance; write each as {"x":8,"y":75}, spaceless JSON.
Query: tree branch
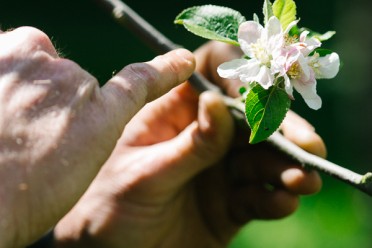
{"x":126,"y":17}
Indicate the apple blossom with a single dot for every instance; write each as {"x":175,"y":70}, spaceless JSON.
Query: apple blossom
{"x":259,"y":44}
{"x":272,"y":53}
{"x":279,"y":57}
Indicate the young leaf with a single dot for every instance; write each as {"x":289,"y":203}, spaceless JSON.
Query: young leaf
{"x":325,"y":36}
{"x":285,"y":11}
{"x":255,"y":18}
{"x":322,"y":52}
{"x":267,"y":10}
{"x":265,"y":111}
{"x":212,"y":22}
{"x":319,"y":36}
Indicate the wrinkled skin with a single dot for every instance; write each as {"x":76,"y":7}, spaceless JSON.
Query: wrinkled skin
{"x":57,"y":127}
{"x":183,"y":175}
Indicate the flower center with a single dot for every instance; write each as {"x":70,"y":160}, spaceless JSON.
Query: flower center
{"x":294,"y":71}
{"x":289,"y":40}
{"x":261,"y":54}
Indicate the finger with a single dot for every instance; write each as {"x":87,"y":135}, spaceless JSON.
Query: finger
{"x":300,"y":132}
{"x":267,"y":166}
{"x":293,"y":178}
{"x":299,"y":181}
{"x":208,"y":60}
{"x":168,"y":115}
{"x":128,"y":91}
{"x":259,"y":203}
{"x":202,"y":143}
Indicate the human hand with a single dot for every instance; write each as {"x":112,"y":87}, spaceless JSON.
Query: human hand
{"x":170,"y":183}
{"x":58,"y":127}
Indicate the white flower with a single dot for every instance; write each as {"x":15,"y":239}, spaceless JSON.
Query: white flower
{"x":300,"y":70}
{"x":259,"y":44}
{"x":303,"y":73}
{"x":272,"y":53}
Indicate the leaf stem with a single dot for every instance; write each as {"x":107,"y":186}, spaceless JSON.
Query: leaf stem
{"x":126,"y":17}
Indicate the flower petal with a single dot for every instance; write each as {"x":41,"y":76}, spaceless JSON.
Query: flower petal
{"x":293,"y":56}
{"x":246,"y":48}
{"x":304,"y":35}
{"x":327,"y":66}
{"x":231,"y":69}
{"x":278,"y":64}
{"x":308,"y":92}
{"x":310,"y":45}
{"x":290,"y":26}
{"x":264,"y":77}
{"x":250,"y":72}
{"x":306,"y":71}
{"x":273,"y":27}
{"x":237,"y":67}
{"x":288,"y":86}
{"x":249,"y":33}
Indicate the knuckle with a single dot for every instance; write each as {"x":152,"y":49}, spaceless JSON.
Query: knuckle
{"x":35,"y":40}
{"x":135,"y":81}
{"x":205,"y":147}
{"x":67,"y":72}
{"x":141,"y":72}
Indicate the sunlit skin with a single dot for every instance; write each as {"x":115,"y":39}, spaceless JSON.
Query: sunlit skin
{"x":57,"y":127}
{"x":183,"y":175}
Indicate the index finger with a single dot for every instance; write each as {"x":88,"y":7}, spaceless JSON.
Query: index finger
{"x":210,"y":56}
{"x":128,"y":91}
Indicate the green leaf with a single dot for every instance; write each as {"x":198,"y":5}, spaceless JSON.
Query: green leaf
{"x":321,"y":37}
{"x":285,"y":11}
{"x":265,"y":110}
{"x":267,"y":10}
{"x":212,"y":22}
{"x":255,"y":18}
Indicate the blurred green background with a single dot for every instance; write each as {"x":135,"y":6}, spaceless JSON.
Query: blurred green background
{"x":338,"y":216}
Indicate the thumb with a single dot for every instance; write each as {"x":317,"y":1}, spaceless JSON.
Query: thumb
{"x":203,"y":142}
{"x":135,"y":85}
{"x":300,"y":132}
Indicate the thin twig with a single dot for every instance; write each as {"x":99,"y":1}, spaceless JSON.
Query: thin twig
{"x":125,"y":16}
{"x":155,"y":40}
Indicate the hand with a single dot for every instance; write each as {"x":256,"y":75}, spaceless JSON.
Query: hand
{"x":58,"y":127}
{"x":182,"y":176}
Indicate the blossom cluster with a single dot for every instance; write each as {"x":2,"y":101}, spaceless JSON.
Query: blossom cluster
{"x":272,"y":53}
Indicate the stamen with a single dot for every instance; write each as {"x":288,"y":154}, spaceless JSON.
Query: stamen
{"x":295,"y":71}
{"x":261,"y":54}
{"x":289,"y":40}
